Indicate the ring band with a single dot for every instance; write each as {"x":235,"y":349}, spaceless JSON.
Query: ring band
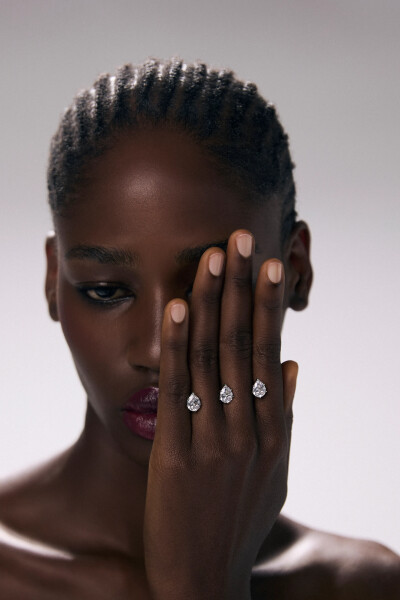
{"x":259,"y":389}
{"x":193,"y":402}
{"x":226,"y":394}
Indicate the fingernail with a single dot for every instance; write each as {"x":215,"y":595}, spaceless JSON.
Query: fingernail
{"x":215,"y":263}
{"x":178,"y":312}
{"x":274,"y":271}
{"x":244,"y":243}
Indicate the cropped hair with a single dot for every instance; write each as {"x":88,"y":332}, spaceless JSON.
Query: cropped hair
{"x":226,"y":117}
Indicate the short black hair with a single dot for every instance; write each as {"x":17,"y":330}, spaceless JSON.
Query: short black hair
{"x":228,"y":118}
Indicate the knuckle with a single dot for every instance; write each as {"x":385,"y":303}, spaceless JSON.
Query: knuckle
{"x":174,"y":345}
{"x":204,"y":357}
{"x":170,"y":463}
{"x":244,"y":449}
{"x":208,"y":457}
{"x":175,"y":388}
{"x":240,"y":282}
{"x":267,"y":353}
{"x":272,"y":304}
{"x":240,"y":341}
{"x":212,"y":456}
{"x":209,"y":297}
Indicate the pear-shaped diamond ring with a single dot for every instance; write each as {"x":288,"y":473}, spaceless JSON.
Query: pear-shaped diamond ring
{"x":259,"y":389}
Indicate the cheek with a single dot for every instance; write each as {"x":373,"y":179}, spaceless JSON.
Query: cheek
{"x":93,"y":339}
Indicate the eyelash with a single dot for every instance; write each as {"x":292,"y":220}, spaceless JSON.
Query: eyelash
{"x":84,"y":290}
{"x":112,"y":289}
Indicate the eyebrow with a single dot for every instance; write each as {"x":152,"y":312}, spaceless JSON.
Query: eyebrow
{"x":189,"y":255}
{"x":102,"y":255}
{"x":119,"y":257}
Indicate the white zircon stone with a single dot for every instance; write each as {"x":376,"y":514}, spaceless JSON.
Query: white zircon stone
{"x":259,"y":389}
{"x":193,"y":403}
{"x":226,"y":394}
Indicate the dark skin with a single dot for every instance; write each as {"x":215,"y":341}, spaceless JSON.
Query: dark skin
{"x":196,"y":512}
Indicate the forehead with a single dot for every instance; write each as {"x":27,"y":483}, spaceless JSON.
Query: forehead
{"x":160,"y":185}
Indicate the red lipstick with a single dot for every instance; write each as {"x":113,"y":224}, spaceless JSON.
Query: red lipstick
{"x":140,"y":413}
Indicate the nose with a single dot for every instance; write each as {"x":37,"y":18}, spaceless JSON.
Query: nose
{"x":144,"y":351}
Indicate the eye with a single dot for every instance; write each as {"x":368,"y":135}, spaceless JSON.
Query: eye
{"x":105,"y":294}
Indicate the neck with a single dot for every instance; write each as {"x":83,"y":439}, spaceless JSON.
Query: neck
{"x":106,"y":491}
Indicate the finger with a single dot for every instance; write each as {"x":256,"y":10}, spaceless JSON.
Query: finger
{"x":267,"y":346}
{"x":236,"y":333}
{"x":173,"y":418}
{"x":204,"y":342}
{"x":290,"y":370}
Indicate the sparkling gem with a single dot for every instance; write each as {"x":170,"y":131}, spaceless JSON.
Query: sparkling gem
{"x":259,"y":389}
{"x":193,"y":403}
{"x":226,"y":394}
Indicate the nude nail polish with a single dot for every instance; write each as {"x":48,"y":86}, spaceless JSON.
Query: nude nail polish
{"x":178,"y":312}
{"x":215,"y":263}
{"x":274,"y":271}
{"x":244,"y":243}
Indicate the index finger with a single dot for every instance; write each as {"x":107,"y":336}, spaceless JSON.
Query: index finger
{"x":173,"y":429}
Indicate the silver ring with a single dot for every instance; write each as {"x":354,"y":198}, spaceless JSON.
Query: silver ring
{"x":226,"y":394}
{"x":259,"y":389}
{"x":193,"y":403}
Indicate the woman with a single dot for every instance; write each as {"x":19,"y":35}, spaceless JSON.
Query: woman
{"x":175,"y":256}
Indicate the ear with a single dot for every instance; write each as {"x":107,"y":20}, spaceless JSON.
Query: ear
{"x":52,"y":275}
{"x":299,"y":273}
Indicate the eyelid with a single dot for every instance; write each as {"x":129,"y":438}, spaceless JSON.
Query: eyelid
{"x":84,"y":289}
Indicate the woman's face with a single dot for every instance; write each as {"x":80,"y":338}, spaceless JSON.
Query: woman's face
{"x":149,"y":208}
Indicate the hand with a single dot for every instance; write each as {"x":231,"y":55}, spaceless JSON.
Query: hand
{"x":218,"y":477}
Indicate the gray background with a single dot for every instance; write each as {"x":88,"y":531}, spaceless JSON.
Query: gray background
{"x":332,"y":69}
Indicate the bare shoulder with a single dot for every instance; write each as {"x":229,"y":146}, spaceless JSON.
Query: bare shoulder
{"x":23,"y":497}
{"x":24,"y":554}
{"x":315,"y":565}
{"x":39,"y":549}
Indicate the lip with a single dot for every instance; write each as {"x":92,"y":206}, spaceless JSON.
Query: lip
{"x":140,"y":412}
{"x":143,"y":401}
